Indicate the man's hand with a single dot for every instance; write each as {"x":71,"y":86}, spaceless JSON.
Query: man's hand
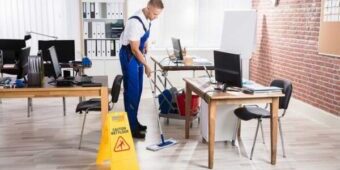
{"x":148,"y":70}
{"x":145,"y":50}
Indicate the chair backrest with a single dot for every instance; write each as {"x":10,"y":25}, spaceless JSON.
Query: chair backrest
{"x":23,"y":62}
{"x":116,"y":88}
{"x":287,"y":89}
{"x":1,"y":59}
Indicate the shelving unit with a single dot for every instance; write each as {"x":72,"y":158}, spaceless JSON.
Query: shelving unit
{"x":102,"y":22}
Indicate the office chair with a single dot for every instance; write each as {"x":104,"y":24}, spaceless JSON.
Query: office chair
{"x":21,"y":66}
{"x":254,"y":112}
{"x":20,"y":69}
{"x":95,"y":105}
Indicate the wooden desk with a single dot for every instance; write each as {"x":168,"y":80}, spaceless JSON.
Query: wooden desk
{"x":52,"y":91}
{"x":202,"y":87}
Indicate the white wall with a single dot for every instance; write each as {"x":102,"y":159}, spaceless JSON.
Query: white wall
{"x":197,"y":22}
{"x":52,"y":17}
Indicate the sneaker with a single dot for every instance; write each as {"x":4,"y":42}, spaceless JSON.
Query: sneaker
{"x":138,"y":135}
{"x":141,"y":127}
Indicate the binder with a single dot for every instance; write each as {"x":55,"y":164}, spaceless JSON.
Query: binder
{"x":108,"y":48}
{"x":99,"y":48}
{"x":94,"y":50}
{"x":84,"y":9}
{"x":94,"y":30}
{"x":92,"y":10}
{"x":88,"y":10}
{"x":90,"y":31}
{"x":108,"y":10}
{"x":117,"y":45}
{"x":103,"y":10}
{"x":97,"y":10}
{"x":99,"y":30}
{"x":89,"y":48}
{"x":112,"y":48}
{"x":86,"y":30}
{"x":121,"y":9}
{"x":115,"y":10}
{"x":103,"y":47}
{"x":102,"y":26}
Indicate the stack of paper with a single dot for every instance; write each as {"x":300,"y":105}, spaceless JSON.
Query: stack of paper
{"x":256,"y":88}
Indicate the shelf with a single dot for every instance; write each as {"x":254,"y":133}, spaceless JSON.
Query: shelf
{"x":101,"y":19}
{"x":101,"y":38}
{"x":104,"y":58}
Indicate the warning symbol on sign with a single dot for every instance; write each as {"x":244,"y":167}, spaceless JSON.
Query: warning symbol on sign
{"x":121,"y":145}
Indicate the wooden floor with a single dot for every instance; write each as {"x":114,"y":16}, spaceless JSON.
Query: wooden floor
{"x":48,"y":141}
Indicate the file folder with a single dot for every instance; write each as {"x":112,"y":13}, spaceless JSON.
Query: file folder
{"x":103,"y":48}
{"x":89,"y":48}
{"x":92,"y":10}
{"x":86,"y":29}
{"x":117,"y":47}
{"x":84,"y":9}
{"x":108,"y":48}
{"x":99,"y":48}
{"x":112,"y":48}
{"x":94,"y":50}
{"x":94,"y":30}
{"x":88,"y":10}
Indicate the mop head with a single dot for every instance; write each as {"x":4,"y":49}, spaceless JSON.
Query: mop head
{"x":162,"y":145}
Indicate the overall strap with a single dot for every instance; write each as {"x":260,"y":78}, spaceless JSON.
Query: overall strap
{"x":140,"y":20}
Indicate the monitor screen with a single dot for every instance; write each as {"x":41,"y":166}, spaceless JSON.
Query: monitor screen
{"x":228,"y":69}
{"x":55,"y":62}
{"x":10,"y":49}
{"x":64,"y":48}
{"x":177,"y":48}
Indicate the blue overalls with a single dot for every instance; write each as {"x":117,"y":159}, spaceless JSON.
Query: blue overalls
{"x":133,"y":71}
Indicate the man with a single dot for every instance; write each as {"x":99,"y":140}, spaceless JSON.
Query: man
{"x":134,"y":46}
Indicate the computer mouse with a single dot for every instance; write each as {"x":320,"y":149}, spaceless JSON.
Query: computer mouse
{"x":247,"y":91}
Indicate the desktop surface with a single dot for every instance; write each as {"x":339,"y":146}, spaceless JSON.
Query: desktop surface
{"x":165,"y":63}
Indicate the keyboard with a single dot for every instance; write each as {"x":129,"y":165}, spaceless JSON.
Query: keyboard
{"x":86,"y":79}
{"x":83,"y":80}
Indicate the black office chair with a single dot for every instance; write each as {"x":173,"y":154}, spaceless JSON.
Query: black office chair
{"x":95,"y":103}
{"x":20,"y":67}
{"x":254,"y":112}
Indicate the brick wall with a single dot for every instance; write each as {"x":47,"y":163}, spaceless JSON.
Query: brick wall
{"x":287,"y":47}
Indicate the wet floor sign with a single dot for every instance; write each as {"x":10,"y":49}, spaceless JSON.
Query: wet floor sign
{"x":116,"y":144}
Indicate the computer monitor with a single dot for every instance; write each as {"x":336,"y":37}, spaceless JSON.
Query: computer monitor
{"x":55,"y":62}
{"x":64,"y":49}
{"x":228,"y":69}
{"x":11,"y":49}
{"x":177,"y":48}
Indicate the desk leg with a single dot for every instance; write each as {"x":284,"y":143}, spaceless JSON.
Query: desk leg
{"x":187,"y":109}
{"x":212,"y":119}
{"x":274,"y":107}
{"x":104,"y":103}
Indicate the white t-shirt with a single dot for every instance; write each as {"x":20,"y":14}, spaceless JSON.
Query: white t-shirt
{"x":134,"y":30}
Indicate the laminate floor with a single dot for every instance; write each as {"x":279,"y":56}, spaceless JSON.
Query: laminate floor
{"x":48,"y":140}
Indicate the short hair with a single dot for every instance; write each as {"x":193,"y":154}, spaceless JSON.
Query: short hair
{"x":156,"y":3}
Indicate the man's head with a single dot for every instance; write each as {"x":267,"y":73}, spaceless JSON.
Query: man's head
{"x":153,"y":9}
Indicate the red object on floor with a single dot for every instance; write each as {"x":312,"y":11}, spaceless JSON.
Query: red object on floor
{"x":194,"y":104}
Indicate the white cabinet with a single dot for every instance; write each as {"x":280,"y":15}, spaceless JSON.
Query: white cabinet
{"x":102,"y":24}
{"x":226,"y":121}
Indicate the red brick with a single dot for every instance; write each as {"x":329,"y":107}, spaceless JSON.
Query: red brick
{"x":287,"y":47}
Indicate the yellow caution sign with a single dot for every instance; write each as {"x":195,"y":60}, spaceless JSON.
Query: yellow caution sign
{"x":116,"y":144}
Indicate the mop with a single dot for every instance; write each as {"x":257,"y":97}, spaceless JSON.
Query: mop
{"x":164,"y":142}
